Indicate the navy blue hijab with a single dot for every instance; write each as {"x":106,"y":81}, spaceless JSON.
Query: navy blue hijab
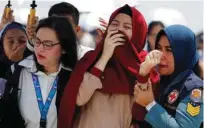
{"x":183,"y":44}
{"x":5,"y":63}
{"x":12,"y":25}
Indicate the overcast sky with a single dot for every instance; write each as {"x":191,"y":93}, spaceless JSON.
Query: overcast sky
{"x":190,"y":12}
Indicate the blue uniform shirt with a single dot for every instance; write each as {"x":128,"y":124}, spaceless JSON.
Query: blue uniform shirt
{"x":181,"y":109}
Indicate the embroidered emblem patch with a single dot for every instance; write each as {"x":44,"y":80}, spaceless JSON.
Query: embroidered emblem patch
{"x":193,"y":109}
{"x":196,"y":95}
{"x":172,"y":97}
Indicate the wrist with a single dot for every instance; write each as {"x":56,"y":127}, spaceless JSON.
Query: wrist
{"x":101,"y":63}
{"x":144,"y":69}
{"x":104,"y":57}
{"x":150,"y":105}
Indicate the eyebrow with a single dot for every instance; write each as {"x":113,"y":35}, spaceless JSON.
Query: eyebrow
{"x":13,"y":37}
{"x":22,"y":37}
{"x":115,"y":21}
{"x":10,"y":37}
{"x":44,"y":40}
{"x":128,"y":24}
{"x":164,"y":46}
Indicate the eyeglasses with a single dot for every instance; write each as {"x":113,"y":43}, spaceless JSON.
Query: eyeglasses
{"x":47,"y":45}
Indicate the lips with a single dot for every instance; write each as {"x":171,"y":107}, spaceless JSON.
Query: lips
{"x":39,"y":56}
{"x":162,"y":66}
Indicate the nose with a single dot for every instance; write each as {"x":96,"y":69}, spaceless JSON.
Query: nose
{"x":163,"y":57}
{"x":15,"y":45}
{"x":120,"y":28}
{"x":41,"y":48}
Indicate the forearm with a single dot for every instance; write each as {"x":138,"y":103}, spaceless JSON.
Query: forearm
{"x":158,"y":117}
{"x":87,"y":88}
{"x":101,"y":63}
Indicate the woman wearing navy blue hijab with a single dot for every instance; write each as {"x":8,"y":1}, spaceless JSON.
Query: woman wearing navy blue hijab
{"x":179,"y":100}
{"x":13,"y":39}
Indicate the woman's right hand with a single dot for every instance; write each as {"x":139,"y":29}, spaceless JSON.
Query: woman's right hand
{"x":112,"y":40}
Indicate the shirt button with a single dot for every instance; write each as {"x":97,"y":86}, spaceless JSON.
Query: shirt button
{"x":102,"y":77}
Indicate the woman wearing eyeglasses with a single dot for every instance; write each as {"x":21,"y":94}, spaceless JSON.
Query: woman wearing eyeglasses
{"x":33,"y":93}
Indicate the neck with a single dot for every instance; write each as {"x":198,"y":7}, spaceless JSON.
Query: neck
{"x":51,"y":69}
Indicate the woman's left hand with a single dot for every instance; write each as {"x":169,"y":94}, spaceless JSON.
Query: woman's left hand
{"x":143,"y":97}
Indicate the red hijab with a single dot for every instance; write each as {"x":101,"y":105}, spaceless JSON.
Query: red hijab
{"x":120,"y":72}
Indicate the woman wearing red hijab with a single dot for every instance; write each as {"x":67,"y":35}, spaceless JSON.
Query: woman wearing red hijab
{"x":100,"y":91}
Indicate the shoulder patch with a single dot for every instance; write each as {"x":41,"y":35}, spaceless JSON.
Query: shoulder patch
{"x":193,"y":109}
{"x":193,"y":106}
{"x":172,"y":97}
{"x":196,"y":95}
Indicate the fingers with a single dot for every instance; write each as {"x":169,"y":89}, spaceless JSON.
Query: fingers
{"x":118,"y":44}
{"x":11,"y":13}
{"x":137,"y":89}
{"x":154,"y":57}
{"x":105,"y":26}
{"x":4,"y":14}
{"x":157,"y":55}
{"x":119,"y":40}
{"x":111,"y":33}
{"x":7,"y":18}
{"x":33,"y":20}
{"x":102,"y":20}
{"x":136,"y":92}
{"x":19,"y":49}
{"x":36,"y":19}
{"x":100,"y":32}
{"x":149,"y":85}
{"x":31,"y":28}
{"x":117,"y":36}
{"x":10,"y":17}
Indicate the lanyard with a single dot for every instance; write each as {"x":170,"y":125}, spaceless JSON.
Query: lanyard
{"x":43,"y":107}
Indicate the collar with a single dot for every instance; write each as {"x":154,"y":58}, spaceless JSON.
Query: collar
{"x":29,"y":63}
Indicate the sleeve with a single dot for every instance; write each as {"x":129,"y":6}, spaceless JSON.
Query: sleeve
{"x":2,"y":86}
{"x":87,"y":88}
{"x":189,"y":114}
{"x":82,"y":50}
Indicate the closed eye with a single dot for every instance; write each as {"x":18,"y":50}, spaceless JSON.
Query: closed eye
{"x":127,"y":27}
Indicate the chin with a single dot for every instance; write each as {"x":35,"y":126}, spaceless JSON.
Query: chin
{"x":41,"y":62}
{"x":164,"y":73}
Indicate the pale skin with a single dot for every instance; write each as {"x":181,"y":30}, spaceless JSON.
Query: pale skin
{"x":123,"y":23}
{"x":165,"y":68}
{"x":51,"y":60}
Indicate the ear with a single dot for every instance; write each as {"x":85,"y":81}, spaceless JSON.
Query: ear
{"x":78,"y":28}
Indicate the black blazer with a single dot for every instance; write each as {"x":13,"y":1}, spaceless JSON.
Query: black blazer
{"x":10,"y":116}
